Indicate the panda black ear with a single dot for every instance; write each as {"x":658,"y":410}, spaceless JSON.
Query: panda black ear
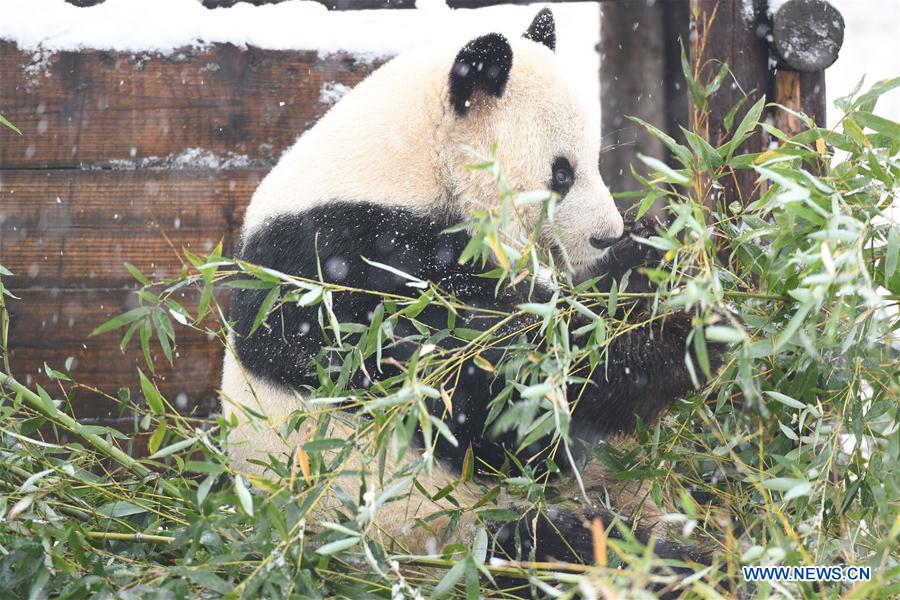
{"x":482,"y":64}
{"x":543,"y":29}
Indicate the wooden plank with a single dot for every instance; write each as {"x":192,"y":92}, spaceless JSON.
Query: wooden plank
{"x":71,"y":228}
{"x":52,"y":325}
{"x":221,"y":105}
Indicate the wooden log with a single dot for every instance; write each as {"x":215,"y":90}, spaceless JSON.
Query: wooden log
{"x":807,"y":35}
{"x":733,"y":31}
{"x":52,"y":325}
{"x":72,"y":228}
{"x":677,"y":31}
{"x":197,"y":108}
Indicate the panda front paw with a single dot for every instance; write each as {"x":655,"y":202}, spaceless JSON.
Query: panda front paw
{"x":627,"y":254}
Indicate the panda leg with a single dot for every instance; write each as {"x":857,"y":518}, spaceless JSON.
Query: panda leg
{"x":563,"y":532}
{"x":564,"y":535}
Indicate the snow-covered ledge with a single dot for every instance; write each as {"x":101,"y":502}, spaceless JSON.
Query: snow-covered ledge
{"x":163,"y":26}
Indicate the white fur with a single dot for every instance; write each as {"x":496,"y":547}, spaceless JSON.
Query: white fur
{"x":395,"y":140}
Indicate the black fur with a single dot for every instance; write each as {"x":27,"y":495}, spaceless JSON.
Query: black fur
{"x":336,"y":235}
{"x":644,"y":370}
{"x":542,"y":29}
{"x":482,"y":64}
{"x":564,"y":534}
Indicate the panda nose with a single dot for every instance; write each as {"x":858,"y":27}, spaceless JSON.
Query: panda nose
{"x":602,"y":242}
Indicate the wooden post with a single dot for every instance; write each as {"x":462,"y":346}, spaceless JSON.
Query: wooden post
{"x":733,"y":31}
{"x":632,"y":82}
{"x":806,"y":38}
{"x":640,"y":75}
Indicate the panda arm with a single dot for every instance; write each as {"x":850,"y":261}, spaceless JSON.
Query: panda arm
{"x":644,"y":371}
{"x":335,"y":239}
{"x":645,"y":368}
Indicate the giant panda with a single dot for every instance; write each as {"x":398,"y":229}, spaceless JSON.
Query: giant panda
{"x":380,"y":179}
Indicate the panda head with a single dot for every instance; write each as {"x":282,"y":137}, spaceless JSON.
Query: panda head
{"x":409,"y":132}
{"x":511,"y":91}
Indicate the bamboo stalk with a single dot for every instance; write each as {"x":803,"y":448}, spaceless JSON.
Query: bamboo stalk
{"x":130,"y":537}
{"x":70,"y":424}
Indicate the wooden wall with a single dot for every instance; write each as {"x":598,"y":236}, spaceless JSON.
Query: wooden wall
{"x":129,"y":157}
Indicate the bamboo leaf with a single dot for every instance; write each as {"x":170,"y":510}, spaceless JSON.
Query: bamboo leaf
{"x":243,"y":494}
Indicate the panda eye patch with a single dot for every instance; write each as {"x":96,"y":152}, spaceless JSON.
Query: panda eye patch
{"x":563,"y":177}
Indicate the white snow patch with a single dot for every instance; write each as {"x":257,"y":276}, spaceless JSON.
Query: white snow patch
{"x":332,"y":91}
{"x":190,"y":158}
{"x":871,"y":48}
{"x":748,"y":10}
{"x":162,"y":26}
{"x":773,"y":6}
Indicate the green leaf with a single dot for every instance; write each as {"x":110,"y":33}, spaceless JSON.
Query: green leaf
{"x":203,"y":578}
{"x":709,"y":157}
{"x":786,"y":400}
{"x":136,"y":273}
{"x":123,"y":319}
{"x":787,"y":334}
{"x":120,"y":508}
{"x":243,"y":494}
{"x":500,"y":515}
{"x":157,"y":438}
{"x":173,"y":448}
{"x":449,"y":581}
{"x":265,"y":307}
{"x":892,"y":253}
{"x":151,"y":395}
{"x":665,"y":170}
{"x":720,"y":333}
{"x":323,"y":445}
{"x":542,"y":310}
{"x":696,"y":92}
{"x":204,"y":487}
{"x":612,"y":300}
{"x":681,"y":153}
{"x":145,"y":331}
{"x":879,"y":124}
{"x":334,"y":547}
{"x":794,"y":487}
{"x":5,"y":121}
{"x":716,"y":83}
{"x":700,"y":351}
{"x":746,"y":126}
{"x":164,"y":333}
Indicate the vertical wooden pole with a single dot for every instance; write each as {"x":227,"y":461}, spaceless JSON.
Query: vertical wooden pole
{"x":732,"y":30}
{"x":677,"y":23}
{"x":632,"y":83}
